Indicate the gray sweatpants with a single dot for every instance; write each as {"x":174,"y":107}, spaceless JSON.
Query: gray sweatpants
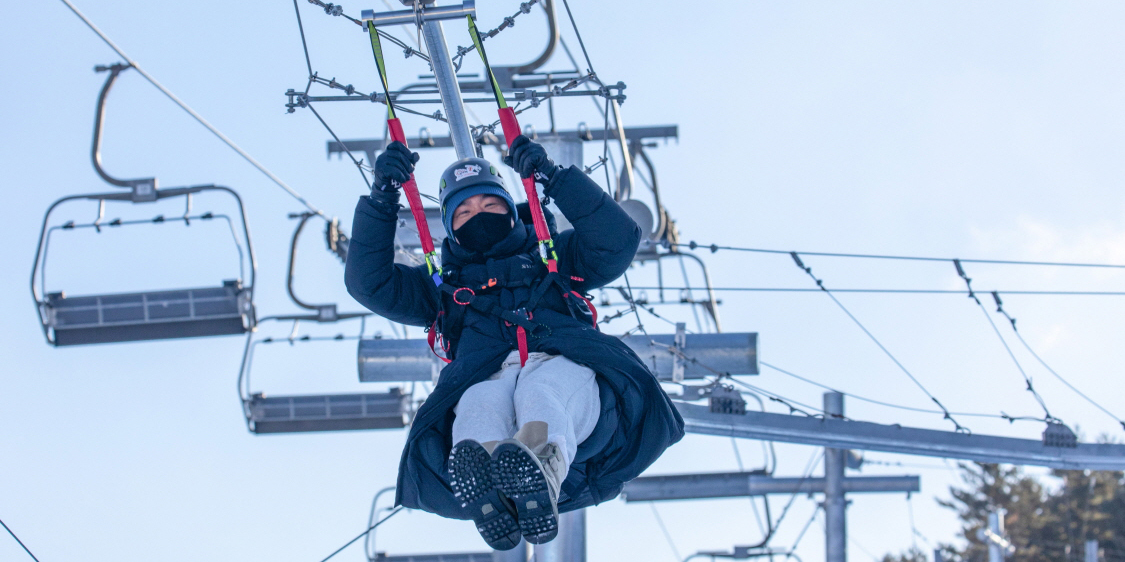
{"x":549,"y":388}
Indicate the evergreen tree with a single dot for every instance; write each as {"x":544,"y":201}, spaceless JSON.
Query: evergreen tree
{"x":1046,"y":524}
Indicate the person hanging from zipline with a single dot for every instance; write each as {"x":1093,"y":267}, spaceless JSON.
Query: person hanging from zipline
{"x":537,"y":412}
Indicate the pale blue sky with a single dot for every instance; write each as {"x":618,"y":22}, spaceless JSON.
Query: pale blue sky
{"x":953,"y":129}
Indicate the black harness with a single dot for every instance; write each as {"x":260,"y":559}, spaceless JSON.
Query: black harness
{"x":489,"y":290}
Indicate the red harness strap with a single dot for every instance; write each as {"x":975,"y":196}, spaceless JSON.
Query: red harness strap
{"x":521,"y":340}
{"x":433,"y":337}
{"x":590,"y":305}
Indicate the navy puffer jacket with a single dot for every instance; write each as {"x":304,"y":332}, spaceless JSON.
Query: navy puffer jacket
{"x":638,"y":421}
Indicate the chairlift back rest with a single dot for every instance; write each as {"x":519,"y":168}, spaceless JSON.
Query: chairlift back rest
{"x":151,"y":315}
{"x":155,"y":315}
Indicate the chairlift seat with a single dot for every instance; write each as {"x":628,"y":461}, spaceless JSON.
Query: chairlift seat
{"x":331,"y":412}
{"x":154,"y":315}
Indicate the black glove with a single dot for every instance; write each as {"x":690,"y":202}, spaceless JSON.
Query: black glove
{"x":530,"y":160}
{"x":394,"y":166}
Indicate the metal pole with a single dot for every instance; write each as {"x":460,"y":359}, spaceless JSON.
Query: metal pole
{"x":447,"y":85}
{"x":835,"y":503}
{"x":570,"y":545}
{"x":996,"y":524}
{"x":1091,"y":551}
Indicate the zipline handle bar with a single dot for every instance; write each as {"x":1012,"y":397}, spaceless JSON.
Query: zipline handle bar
{"x":410,"y":187}
{"x":511,"y":128}
{"x":410,"y":17}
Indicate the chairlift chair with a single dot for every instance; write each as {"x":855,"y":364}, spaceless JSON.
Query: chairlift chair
{"x":320,"y":412}
{"x":153,"y":315}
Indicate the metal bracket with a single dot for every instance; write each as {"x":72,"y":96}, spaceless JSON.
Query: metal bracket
{"x":144,"y":189}
{"x":680,"y":343}
{"x":408,"y":17}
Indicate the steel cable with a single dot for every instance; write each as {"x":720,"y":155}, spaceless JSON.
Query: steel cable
{"x":820,"y":283}
{"x":25,"y":549}
{"x":293,"y":193}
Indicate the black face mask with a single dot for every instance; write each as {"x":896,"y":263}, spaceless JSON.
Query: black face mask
{"x":483,"y":231}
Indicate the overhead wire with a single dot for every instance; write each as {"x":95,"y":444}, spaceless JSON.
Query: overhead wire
{"x":284,"y":186}
{"x":1027,"y":380}
{"x":714,"y":248}
{"x":1019,"y":336}
{"x":874,"y":401}
{"x":393,"y":512}
{"x":801,"y":535}
{"x":797,"y":260}
{"x":358,"y":164}
{"x":23,"y":546}
{"x":664,"y":529}
{"x":888,"y":291}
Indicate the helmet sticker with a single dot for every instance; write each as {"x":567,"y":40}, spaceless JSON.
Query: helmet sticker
{"x":467,"y":171}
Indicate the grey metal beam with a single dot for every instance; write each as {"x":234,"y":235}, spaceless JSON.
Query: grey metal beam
{"x":371,"y":147}
{"x":393,"y":360}
{"x":846,"y":434}
{"x":743,"y":484}
{"x":451,"y":557}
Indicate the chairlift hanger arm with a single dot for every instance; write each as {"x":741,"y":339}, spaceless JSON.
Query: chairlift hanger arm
{"x":304,"y":218}
{"x":144,"y":184}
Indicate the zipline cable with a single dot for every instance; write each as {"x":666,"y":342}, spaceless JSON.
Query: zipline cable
{"x":293,"y":193}
{"x":25,"y":549}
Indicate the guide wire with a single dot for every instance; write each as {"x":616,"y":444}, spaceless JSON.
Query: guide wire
{"x":797,"y":260}
{"x":1012,"y":321}
{"x":888,"y":291}
{"x":582,"y":44}
{"x":393,"y":512}
{"x":809,"y":468}
{"x":226,"y":140}
{"x":969,"y":285}
{"x":801,"y":535}
{"x":878,"y":402}
{"x":304,"y":44}
{"x":25,"y":549}
{"x":358,"y":164}
{"x":714,"y":248}
{"x":774,"y":397}
{"x":664,"y":529}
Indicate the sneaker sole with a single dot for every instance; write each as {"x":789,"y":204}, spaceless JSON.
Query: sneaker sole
{"x":517,"y":473}
{"x":470,"y":475}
